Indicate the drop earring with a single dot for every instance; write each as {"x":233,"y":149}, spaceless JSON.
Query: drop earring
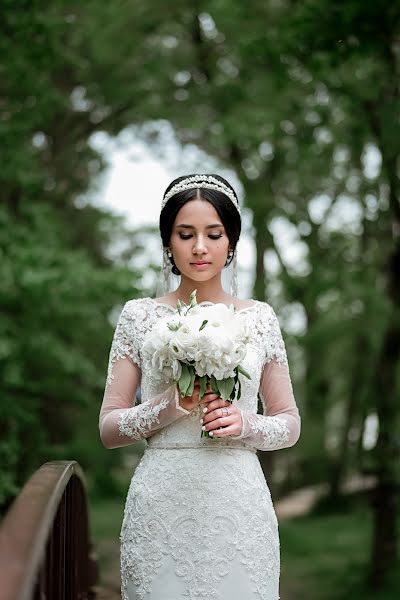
{"x":229,"y":259}
{"x":174,"y":268}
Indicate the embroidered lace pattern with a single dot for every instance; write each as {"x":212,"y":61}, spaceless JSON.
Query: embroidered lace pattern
{"x":136,"y":424}
{"x":267,"y":333}
{"x":274,"y":432}
{"x":203,"y":512}
{"x":171,"y":513}
{"x":132,"y":325}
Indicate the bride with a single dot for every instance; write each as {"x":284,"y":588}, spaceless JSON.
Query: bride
{"x":199,"y":521}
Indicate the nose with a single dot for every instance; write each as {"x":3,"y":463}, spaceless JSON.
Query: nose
{"x":199,"y":246}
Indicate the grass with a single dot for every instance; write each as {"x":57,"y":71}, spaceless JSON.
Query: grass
{"x":106,"y":518}
{"x":326,"y":557}
{"x":105,"y":523}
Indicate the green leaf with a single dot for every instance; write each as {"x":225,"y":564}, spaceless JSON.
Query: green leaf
{"x":184,"y":380}
{"x":203,"y":386}
{"x":204,"y":323}
{"x":190,"y":389}
{"x":239,"y":391}
{"x":225,"y":387}
{"x":214,"y":385}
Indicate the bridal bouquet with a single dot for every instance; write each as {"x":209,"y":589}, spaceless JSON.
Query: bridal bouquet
{"x":205,"y":342}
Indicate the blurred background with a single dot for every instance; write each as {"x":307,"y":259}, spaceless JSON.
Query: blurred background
{"x":297,"y":104}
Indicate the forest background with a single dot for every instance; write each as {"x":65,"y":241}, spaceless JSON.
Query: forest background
{"x":301,"y":100}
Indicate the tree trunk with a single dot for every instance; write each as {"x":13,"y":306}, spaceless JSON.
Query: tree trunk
{"x":384,"y":547}
{"x":339,"y":465}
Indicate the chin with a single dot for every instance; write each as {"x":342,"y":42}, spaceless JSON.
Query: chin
{"x":205,"y":276}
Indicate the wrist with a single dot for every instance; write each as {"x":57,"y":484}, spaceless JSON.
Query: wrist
{"x":241,"y":434}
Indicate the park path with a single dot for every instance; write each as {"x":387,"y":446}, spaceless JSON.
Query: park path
{"x":295,"y":504}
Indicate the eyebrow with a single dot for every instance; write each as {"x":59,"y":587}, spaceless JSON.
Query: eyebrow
{"x":208,"y":226}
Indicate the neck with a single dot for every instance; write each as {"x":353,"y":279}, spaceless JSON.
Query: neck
{"x":211,"y":290}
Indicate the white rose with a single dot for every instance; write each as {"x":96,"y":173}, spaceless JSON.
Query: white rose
{"x":176,"y":349}
{"x":185,"y":341}
{"x":240,"y":353}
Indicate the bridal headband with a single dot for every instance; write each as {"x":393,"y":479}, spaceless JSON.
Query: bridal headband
{"x":204,"y":181}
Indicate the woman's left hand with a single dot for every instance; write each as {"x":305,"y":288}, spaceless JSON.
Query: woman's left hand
{"x":216,"y":417}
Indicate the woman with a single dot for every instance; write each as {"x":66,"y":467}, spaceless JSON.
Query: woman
{"x":199,"y":521}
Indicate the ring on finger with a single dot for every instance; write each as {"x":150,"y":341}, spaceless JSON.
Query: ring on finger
{"x":224,"y":412}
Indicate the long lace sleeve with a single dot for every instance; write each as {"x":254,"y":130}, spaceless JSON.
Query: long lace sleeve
{"x":121,"y":422}
{"x":279,"y":425}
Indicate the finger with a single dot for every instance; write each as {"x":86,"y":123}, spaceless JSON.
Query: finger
{"x":217,"y":402}
{"x":218,"y":413}
{"x":224,"y":432}
{"x":215,"y":417}
{"x":207,"y":398}
{"x":219,"y":422}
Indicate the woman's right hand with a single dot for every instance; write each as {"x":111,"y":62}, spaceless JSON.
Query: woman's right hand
{"x":191,"y":402}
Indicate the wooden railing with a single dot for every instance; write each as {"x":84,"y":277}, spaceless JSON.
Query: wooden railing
{"x":45,"y":551}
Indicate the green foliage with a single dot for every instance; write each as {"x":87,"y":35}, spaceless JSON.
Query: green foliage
{"x":54,"y":340}
{"x":59,"y":288}
{"x":326,"y":557}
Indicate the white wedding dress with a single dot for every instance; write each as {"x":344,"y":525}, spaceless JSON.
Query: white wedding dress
{"x":199,"y":522}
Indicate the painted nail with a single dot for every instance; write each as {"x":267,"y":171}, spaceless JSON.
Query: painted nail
{"x":201,"y":421}
{"x":211,"y":433}
{"x":205,"y":409}
{"x":204,"y":428}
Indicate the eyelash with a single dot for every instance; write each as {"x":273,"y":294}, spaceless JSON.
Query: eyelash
{"x":212,"y":237}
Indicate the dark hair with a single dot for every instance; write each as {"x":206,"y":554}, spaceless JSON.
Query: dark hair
{"x":224,"y":206}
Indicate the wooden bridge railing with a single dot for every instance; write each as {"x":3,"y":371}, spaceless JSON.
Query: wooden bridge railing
{"x":45,"y":551}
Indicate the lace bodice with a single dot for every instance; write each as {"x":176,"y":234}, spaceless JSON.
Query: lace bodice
{"x":162,"y":421}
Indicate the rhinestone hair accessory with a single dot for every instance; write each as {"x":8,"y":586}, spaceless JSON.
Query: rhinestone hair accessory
{"x":204,"y":181}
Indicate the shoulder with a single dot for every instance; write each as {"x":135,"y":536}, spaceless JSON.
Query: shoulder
{"x":265,"y":310}
{"x":268,"y":331}
{"x":135,"y":316}
{"x":137,"y":307}
{"x":133,"y":322}
{"x":139,"y":315}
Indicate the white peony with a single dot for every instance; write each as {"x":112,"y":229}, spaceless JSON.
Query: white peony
{"x":211,"y":340}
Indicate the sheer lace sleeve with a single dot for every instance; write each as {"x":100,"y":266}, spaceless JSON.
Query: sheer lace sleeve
{"x":120,"y":421}
{"x":279,"y":425}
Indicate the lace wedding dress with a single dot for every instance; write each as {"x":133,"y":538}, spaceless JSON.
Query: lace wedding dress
{"x":199,"y":522}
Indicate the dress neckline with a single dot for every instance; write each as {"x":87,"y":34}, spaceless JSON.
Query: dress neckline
{"x":205,"y":303}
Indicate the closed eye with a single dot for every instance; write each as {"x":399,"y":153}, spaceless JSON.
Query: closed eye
{"x":211,"y":236}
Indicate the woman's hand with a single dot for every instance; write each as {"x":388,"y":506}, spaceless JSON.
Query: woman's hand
{"x":214,"y":418}
{"x":191,"y":402}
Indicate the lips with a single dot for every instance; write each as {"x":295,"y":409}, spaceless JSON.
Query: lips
{"x":200,"y":262}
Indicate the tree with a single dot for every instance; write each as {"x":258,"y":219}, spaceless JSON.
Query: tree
{"x":59,"y":284}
